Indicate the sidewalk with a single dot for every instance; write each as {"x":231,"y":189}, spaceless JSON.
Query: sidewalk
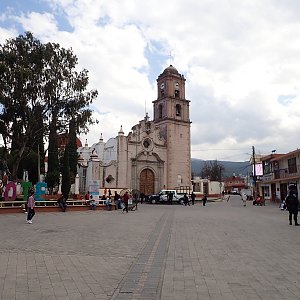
{"x":220,"y":251}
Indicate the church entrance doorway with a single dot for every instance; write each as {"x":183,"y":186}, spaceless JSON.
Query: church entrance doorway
{"x":147,"y":182}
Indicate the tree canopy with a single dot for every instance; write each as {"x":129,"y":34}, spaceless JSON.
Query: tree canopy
{"x":40,"y":86}
{"x":212,"y":170}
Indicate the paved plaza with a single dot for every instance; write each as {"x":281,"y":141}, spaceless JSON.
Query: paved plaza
{"x":220,"y":251}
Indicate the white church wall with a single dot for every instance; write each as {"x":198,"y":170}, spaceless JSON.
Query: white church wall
{"x":110,"y":150}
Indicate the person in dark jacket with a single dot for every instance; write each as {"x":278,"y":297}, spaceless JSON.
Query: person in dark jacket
{"x":117,"y":199}
{"x":170,"y":197}
{"x":204,"y":200}
{"x":193,"y":197}
{"x":125,"y":201}
{"x":186,"y":200}
{"x":62,"y":203}
{"x":292,"y":205}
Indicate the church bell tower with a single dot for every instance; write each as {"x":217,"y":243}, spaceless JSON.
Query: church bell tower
{"x":171,"y":114}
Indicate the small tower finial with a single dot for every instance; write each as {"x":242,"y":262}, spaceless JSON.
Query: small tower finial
{"x":170,"y":58}
{"x":86,"y":143}
{"x":101,"y":138}
{"x":121,"y":132}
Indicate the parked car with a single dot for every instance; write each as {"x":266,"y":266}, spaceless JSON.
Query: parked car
{"x":234,"y":192}
{"x":162,"y":197}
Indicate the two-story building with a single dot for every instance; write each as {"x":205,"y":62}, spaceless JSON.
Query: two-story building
{"x":234,"y":184}
{"x":279,"y":172}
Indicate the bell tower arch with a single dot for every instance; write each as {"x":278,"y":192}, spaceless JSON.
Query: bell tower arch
{"x":171,"y":114}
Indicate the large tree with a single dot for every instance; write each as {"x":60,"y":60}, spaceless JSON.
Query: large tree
{"x":39,"y":87}
{"x":21,"y":66}
{"x":66,"y":182}
{"x":213,"y":170}
{"x":73,"y":155}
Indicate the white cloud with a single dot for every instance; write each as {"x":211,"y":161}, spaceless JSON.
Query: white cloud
{"x":239,"y":58}
{"x":41,"y":24}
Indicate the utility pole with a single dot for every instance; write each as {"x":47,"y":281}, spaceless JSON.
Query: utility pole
{"x":254,"y":173}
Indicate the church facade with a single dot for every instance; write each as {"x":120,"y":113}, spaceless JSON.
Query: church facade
{"x":155,"y":155}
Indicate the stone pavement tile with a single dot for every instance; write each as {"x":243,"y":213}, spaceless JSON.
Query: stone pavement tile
{"x":34,"y":295}
{"x":219,"y":249}
{"x":49,"y":298}
{"x":203,"y":296}
{"x":179,"y":295}
{"x":70,"y":286}
{"x":60,"y":291}
{"x":167,"y":296}
{"x":47,"y":292}
{"x":22,"y":296}
{"x":8,"y":294}
{"x":228,"y":296}
{"x":21,"y":286}
{"x":76,"y":296}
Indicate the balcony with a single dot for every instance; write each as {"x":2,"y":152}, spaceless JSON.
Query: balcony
{"x":287,"y":173}
{"x":268,"y":177}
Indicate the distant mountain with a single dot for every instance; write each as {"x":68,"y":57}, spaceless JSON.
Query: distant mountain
{"x":231,"y":167}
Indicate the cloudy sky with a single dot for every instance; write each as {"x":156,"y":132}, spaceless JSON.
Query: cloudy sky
{"x":241,"y":60}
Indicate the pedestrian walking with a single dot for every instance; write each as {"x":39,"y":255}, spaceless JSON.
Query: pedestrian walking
{"x":87,"y":198}
{"x":193,"y":197}
{"x":292,"y":205}
{"x":108,"y":203}
{"x":117,"y":200}
{"x":170,"y":197}
{"x":31,"y":205}
{"x":204,"y":200}
{"x":125,"y":201}
{"x":93,"y":204}
{"x":244,"y":198}
{"x":62,"y":203}
{"x":186,"y":200}
{"x":142,"y":197}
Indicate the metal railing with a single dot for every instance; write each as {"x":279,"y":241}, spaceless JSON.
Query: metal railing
{"x":282,"y":173}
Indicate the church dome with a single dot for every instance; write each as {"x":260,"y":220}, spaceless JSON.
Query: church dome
{"x":171,"y":70}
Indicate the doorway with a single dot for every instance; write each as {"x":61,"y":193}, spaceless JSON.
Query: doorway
{"x":147,"y":182}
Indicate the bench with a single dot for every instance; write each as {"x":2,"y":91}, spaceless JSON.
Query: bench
{"x":15,"y":203}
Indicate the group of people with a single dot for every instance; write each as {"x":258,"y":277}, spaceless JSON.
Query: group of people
{"x":291,"y":203}
{"x":120,"y":202}
{"x":186,"y":200}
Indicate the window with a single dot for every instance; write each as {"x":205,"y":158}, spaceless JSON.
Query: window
{"x":266,"y":191}
{"x":178,"y":110}
{"x":292,"y":165}
{"x":176,"y":85}
{"x":146,"y":143}
{"x":160,"y":111}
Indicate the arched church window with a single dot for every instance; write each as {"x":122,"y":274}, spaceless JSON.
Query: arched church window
{"x":178,"y":110}
{"x":160,"y":111}
{"x":176,"y":86}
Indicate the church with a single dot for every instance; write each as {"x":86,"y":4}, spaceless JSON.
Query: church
{"x":155,"y":155}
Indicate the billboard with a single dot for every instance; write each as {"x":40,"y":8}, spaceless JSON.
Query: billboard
{"x":258,"y":169}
